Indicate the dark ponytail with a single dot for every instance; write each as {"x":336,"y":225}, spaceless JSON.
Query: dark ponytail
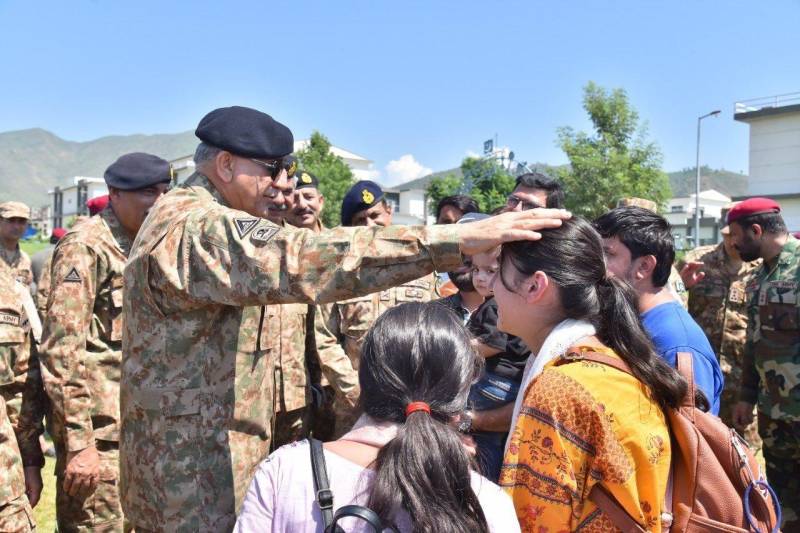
{"x":572,"y":256}
{"x":421,"y":352}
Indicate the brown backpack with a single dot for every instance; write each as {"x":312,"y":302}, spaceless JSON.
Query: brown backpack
{"x":716,"y":481}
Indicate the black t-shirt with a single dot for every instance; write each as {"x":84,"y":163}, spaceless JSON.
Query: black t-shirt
{"x":510,"y":362}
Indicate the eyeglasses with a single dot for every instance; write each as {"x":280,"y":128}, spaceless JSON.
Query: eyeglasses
{"x":513,"y":201}
{"x":274,"y":167}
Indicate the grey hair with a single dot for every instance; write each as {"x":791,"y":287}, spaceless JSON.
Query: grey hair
{"x":205,"y":152}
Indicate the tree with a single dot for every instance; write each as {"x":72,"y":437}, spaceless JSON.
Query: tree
{"x":335,"y":177}
{"x":615,"y":162}
{"x":484,"y":179}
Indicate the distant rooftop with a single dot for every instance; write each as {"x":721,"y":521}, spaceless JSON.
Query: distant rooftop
{"x":765,"y":106}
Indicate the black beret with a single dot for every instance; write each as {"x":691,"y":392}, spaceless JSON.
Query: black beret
{"x":137,"y":171}
{"x":306,"y":180}
{"x":245,"y":132}
{"x":362,"y":195}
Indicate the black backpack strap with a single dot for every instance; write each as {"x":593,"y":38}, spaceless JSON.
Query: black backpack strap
{"x":364,"y":513}
{"x":321,"y":486}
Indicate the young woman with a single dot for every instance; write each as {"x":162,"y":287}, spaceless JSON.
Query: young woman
{"x":404,"y":458}
{"x":579,"y":424}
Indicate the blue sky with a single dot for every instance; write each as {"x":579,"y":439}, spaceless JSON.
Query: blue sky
{"x":428,"y":80}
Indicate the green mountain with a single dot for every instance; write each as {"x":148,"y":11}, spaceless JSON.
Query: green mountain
{"x":35,"y":160}
{"x":728,"y":183}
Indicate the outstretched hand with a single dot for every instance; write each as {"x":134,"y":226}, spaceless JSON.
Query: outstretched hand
{"x":691,"y":273}
{"x":519,"y":226}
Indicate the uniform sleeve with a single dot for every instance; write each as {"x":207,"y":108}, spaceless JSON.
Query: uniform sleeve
{"x":43,"y":287}
{"x":63,"y":351}
{"x":29,"y":424}
{"x":748,"y":387}
{"x":333,"y":360}
{"x":218,"y":256}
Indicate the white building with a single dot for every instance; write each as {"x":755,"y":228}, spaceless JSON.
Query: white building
{"x":774,"y":151}
{"x":680,"y":215}
{"x":70,"y":200}
{"x":361,"y":167}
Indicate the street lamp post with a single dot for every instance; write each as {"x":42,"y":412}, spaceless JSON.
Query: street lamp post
{"x":697,"y":181}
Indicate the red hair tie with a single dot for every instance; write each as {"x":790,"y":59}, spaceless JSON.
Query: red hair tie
{"x":413,"y":407}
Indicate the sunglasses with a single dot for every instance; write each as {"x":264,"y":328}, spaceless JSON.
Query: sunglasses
{"x":274,"y":167}
{"x":512,"y":201}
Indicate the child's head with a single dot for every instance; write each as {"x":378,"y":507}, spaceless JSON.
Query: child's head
{"x":484,"y":269}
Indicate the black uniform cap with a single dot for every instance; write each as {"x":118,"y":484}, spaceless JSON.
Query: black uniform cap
{"x":245,"y":132}
{"x":306,"y":180}
{"x":363,"y":195}
{"x":137,"y":171}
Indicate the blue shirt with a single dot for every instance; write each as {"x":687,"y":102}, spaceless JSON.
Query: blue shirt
{"x":673,"y":330}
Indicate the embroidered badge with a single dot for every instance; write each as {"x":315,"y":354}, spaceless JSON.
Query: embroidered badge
{"x":367,"y":196}
{"x":264,"y":234}
{"x":305,"y":178}
{"x":244,"y":225}
{"x":292,"y":168}
{"x":73,"y":276}
{"x":8,"y":318}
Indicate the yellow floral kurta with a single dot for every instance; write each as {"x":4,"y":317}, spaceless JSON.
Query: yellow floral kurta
{"x":582,"y":423}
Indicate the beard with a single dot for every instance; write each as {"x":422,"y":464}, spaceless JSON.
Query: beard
{"x":749,"y":249}
{"x":463,"y":282}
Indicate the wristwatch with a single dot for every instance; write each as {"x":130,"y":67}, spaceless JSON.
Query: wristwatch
{"x":465,"y":422}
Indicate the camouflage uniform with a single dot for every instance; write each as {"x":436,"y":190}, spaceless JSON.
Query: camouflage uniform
{"x":22,"y":407}
{"x":771,"y":373}
{"x":292,"y":391}
{"x":81,"y":358}
{"x":677,"y":288}
{"x":349,"y":321}
{"x":197,"y":375}
{"x":17,"y":263}
{"x":718,"y":303}
{"x":43,"y":286}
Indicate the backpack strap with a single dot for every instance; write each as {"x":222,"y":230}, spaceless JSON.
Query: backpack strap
{"x":364,"y":513}
{"x":321,"y":485}
{"x":613,"y":510}
{"x":685,"y":366}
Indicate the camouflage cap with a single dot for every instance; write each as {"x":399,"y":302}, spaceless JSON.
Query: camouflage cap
{"x":15,"y":210}
{"x":638,"y":202}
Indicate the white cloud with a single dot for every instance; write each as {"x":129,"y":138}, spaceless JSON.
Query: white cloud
{"x":473,"y":154}
{"x":404,"y":169}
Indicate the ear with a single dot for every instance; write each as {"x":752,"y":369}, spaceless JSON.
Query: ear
{"x":757,"y":230}
{"x":321,"y":203}
{"x":647,"y":264}
{"x":223,"y":164}
{"x":387,"y":206}
{"x":536,"y":287}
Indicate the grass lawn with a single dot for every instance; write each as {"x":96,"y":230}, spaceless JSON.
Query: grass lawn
{"x":31,"y":247}
{"x":45,"y":511}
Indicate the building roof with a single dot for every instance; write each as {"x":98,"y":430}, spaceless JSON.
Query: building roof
{"x":335,"y":150}
{"x":423,"y":182}
{"x":767,"y":106}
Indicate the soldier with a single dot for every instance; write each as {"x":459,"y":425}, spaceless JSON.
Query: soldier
{"x":22,"y":407}
{"x":82,"y":342}
{"x":41,"y":263}
{"x":716,"y":278}
{"x":197,"y":374}
{"x":14,"y":218}
{"x":770,"y":372}
{"x":334,"y":381}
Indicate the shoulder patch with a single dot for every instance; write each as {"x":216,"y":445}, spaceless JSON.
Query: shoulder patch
{"x":8,"y":318}
{"x":264,"y":234}
{"x":73,"y":276}
{"x":244,"y":226}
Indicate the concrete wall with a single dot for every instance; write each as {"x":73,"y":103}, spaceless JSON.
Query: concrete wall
{"x":774,"y":155}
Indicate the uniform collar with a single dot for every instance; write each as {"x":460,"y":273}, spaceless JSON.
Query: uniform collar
{"x":124,"y":242}
{"x":201,"y":181}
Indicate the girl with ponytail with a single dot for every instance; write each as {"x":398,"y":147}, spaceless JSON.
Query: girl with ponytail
{"x":579,"y":424}
{"x":404,"y":458}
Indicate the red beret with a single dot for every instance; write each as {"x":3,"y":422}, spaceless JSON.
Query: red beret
{"x":59,"y":232}
{"x":96,"y":205}
{"x":753,"y":206}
